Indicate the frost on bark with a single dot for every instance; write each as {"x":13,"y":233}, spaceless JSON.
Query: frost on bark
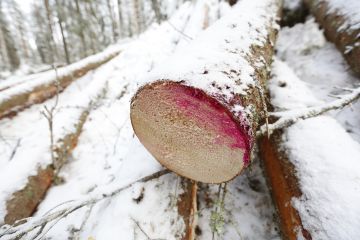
{"x":198,"y":115}
{"x":340,"y":26}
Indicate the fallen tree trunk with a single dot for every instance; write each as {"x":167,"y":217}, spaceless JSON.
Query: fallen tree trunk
{"x":199,"y":114}
{"x":341,"y":23}
{"x":284,"y":185}
{"x":21,"y":97}
{"x":24,"y":202}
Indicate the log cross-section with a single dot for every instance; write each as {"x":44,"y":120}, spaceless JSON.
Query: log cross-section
{"x":198,"y":114}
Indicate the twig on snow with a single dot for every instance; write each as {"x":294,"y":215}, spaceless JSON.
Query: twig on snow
{"x":15,"y":149}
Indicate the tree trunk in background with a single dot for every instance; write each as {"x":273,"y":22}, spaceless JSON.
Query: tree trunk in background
{"x":60,"y":22}
{"x":156,"y":7}
{"x":50,"y":35}
{"x":137,"y":16}
{"x":121,"y":18}
{"x":81,"y":33}
{"x":199,"y":114}
{"x":113,"y":23}
{"x":3,"y":53}
{"x":338,"y":30}
{"x":11,"y":50}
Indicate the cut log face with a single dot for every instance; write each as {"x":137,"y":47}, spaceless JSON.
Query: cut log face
{"x":189,"y":132}
{"x":198,"y":115}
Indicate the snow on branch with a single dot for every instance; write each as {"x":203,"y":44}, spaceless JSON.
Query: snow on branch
{"x":287,"y":118}
{"x":25,"y":227}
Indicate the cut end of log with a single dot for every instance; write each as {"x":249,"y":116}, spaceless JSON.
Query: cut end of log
{"x":189,"y":132}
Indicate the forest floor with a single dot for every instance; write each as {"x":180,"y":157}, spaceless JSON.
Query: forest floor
{"x":107,"y":155}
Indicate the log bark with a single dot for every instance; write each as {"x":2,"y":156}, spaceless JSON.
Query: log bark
{"x":199,"y":114}
{"x":19,"y":101}
{"x":339,"y":28}
{"x":284,"y":186}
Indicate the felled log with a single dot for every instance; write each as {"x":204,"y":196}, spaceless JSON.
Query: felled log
{"x":20,"y":97}
{"x":284,"y":185}
{"x":341,"y":23}
{"x":25,"y":201}
{"x":199,"y":114}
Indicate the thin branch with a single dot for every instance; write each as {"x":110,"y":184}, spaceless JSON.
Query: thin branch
{"x":287,"y":118}
{"x":179,"y":31}
{"x":143,"y":231}
{"x":20,"y":230}
{"x":15,"y":149}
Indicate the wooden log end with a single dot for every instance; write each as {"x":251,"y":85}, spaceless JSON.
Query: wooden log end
{"x":189,"y":132}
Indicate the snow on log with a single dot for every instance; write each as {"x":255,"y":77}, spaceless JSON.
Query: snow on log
{"x":24,"y":202}
{"x":199,"y":114}
{"x":341,"y":22}
{"x":311,"y":164}
{"x":38,"y":90}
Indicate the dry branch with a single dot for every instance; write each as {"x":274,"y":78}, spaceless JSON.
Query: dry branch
{"x":339,"y":28}
{"x":287,"y":118}
{"x":199,"y":114}
{"x":187,"y":207}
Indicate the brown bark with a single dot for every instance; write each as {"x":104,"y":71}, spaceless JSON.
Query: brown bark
{"x":39,"y":94}
{"x":194,"y":130}
{"x":338,"y":30}
{"x":24,"y":202}
{"x":283,"y":183}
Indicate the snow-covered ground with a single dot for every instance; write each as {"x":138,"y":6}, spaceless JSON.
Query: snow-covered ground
{"x":325,"y":150}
